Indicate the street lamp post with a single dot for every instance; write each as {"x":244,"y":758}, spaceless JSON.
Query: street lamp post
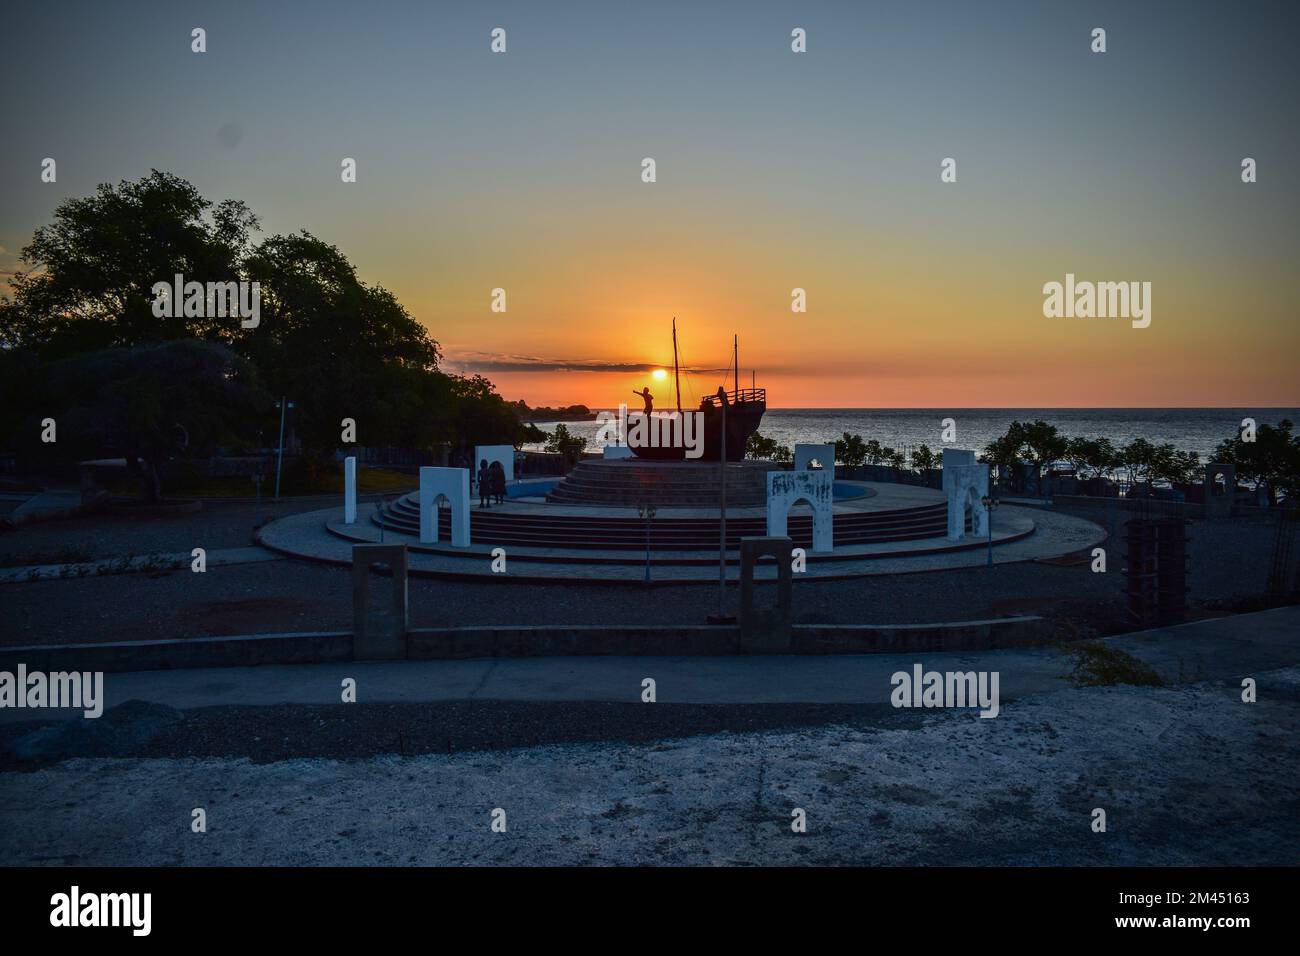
{"x":647,"y":512}
{"x":257,"y":480}
{"x":279,"y":455}
{"x":989,"y":502}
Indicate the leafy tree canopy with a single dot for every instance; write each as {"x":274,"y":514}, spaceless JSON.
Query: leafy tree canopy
{"x":335,"y":346}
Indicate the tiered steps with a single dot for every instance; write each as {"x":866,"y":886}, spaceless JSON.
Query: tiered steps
{"x":630,"y":482}
{"x":609,"y":532}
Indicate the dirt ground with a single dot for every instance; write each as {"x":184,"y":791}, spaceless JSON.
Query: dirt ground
{"x":1186,"y":775}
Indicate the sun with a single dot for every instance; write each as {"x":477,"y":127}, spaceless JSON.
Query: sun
{"x":659,"y":374}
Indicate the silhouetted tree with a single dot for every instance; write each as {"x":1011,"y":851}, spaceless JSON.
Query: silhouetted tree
{"x":1272,"y":459}
{"x":146,"y":404}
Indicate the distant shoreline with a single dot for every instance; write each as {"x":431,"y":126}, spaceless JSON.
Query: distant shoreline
{"x":970,"y":408}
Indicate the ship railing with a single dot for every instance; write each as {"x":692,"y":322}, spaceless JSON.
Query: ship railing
{"x":738,"y":397}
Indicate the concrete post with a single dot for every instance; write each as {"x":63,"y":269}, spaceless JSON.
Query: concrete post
{"x":379,"y":635}
{"x":766,"y":630}
{"x":350,"y":490}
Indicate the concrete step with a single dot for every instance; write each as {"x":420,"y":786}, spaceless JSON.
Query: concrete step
{"x":626,"y":532}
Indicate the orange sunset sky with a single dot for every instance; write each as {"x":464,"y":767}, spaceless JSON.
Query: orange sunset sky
{"x":775,"y":170}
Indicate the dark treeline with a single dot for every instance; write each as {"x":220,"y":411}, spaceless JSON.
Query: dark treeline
{"x":1269,"y":458}
{"x":545,"y":413}
{"x":81,"y":343}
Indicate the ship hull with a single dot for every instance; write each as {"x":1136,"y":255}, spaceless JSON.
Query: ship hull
{"x":742,"y":420}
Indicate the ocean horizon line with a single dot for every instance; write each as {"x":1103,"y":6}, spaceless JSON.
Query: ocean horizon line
{"x":1004,"y":408}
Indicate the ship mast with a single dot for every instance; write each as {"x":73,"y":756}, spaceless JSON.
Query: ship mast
{"x":735,"y":360}
{"x":677,"y":380}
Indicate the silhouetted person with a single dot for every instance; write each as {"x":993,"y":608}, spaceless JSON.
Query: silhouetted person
{"x":497,"y":477}
{"x":647,"y":398}
{"x":484,"y":484}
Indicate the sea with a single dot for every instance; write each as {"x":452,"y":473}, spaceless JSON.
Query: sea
{"x":903,"y":429}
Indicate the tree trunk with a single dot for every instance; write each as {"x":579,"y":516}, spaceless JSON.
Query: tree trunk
{"x":154,"y":486}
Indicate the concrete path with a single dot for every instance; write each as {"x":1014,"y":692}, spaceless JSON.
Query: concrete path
{"x":50,"y":501}
{"x":1224,"y":648}
{"x":1020,"y":534}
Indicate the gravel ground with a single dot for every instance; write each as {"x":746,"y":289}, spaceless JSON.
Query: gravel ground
{"x":289,"y":731}
{"x":1228,"y":565}
{"x":112,"y":535}
{"x":1187,"y":775}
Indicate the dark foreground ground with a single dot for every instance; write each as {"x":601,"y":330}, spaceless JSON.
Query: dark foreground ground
{"x":1229,"y":564}
{"x":1187,"y":775}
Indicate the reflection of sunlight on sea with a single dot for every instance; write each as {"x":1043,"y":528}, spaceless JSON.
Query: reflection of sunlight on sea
{"x":1188,"y":429}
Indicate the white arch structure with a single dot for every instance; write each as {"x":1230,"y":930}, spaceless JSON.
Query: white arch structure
{"x":803,"y":454}
{"x":502,"y":453}
{"x":965,"y":482}
{"x":452,"y":484}
{"x":787,"y":488}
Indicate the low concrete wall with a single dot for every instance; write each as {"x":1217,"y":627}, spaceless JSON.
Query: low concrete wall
{"x":713,"y":641}
{"x":1128,"y":507}
{"x":577,"y":640}
{"x":543,"y":641}
{"x":909,"y":638}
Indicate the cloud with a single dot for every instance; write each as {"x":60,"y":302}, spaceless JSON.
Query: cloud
{"x":497,"y":362}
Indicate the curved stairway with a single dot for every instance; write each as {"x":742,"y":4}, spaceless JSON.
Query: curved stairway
{"x":630,"y":482}
{"x":600,"y":532}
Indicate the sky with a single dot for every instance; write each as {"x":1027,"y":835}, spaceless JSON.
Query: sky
{"x":775,"y":170}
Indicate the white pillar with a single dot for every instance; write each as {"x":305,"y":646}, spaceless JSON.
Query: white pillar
{"x":428,"y":513}
{"x":350,"y":490}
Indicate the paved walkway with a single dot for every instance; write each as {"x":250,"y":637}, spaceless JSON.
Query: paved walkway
{"x":1049,"y":534}
{"x":24,"y":506}
{"x":1223,"y":648}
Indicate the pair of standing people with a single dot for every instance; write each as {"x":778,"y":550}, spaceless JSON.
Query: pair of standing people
{"x":491,"y":483}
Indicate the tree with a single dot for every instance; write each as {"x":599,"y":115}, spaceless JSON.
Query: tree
{"x":561,"y":442}
{"x":1043,"y":443}
{"x":89,"y":285}
{"x":1139,"y":458}
{"x":1096,"y":455}
{"x":1004,"y":454}
{"x":1170,"y":464}
{"x":756,"y":446}
{"x":923,"y":459}
{"x":148,"y":404}
{"x":339,"y":348}
{"x":850,"y":450}
{"x":1272,"y":459}
{"x":1038,"y":441}
{"x":335,"y":346}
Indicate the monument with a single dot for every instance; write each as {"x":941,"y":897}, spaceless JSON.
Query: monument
{"x":805,"y":455}
{"x":451,"y":485}
{"x":965,"y":483}
{"x":1220,"y":489}
{"x":814,"y":488}
{"x":505,"y":454}
{"x":765,"y":630}
{"x":378,"y":632}
{"x":350,"y":490}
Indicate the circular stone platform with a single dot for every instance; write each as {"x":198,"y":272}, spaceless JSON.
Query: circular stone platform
{"x":895,"y":529}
